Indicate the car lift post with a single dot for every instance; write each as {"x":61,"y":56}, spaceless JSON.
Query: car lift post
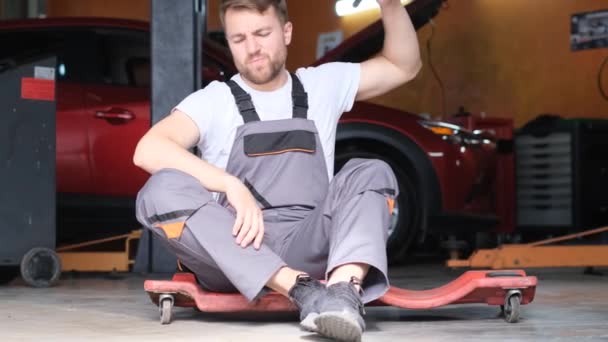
{"x":177,"y":31}
{"x":539,"y":254}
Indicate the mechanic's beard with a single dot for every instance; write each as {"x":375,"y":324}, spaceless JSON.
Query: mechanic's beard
{"x":265,"y":74}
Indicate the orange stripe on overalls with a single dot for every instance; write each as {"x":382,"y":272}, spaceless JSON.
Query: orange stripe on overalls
{"x":391,"y":205}
{"x":172,"y":230}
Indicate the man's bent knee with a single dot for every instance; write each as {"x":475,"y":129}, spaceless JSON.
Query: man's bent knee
{"x":169,"y":190}
{"x":368,"y":174}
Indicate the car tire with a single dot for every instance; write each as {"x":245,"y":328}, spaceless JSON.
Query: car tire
{"x":409,"y":216}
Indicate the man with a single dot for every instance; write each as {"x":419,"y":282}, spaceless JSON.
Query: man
{"x":261,"y":208}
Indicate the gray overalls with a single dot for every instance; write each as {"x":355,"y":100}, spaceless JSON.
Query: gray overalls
{"x":310,"y":224}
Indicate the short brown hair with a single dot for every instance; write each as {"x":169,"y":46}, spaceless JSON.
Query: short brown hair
{"x":280,"y":7}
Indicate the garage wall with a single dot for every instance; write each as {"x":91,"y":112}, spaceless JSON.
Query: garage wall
{"x":132,"y":9}
{"x":504,"y":58}
{"x":510,"y":59}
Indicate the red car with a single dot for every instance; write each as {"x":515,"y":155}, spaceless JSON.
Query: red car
{"x":103,"y":109}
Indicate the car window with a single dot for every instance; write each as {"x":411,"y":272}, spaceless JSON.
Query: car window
{"x":212,"y":71}
{"x":73,"y":49}
{"x":214,"y":68}
{"x":95,"y":55}
{"x":123,"y":57}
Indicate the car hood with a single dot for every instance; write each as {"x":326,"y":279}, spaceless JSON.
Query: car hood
{"x":368,"y":41}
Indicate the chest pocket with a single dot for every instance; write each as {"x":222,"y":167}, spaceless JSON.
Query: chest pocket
{"x":265,"y":144}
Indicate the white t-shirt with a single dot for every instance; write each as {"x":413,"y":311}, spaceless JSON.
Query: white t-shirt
{"x":331,"y":89}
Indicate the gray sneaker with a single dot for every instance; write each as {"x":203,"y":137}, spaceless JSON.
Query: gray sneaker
{"x":340,"y":313}
{"x":305,"y":294}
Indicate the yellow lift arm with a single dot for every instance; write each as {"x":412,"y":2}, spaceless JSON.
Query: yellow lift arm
{"x":98,"y":261}
{"x":539,"y":254}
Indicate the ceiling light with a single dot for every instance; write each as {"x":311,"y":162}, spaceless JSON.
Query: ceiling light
{"x":346,"y":7}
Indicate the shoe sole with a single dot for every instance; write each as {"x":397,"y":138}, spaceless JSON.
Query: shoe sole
{"x":338,"y":325}
{"x":308,"y":323}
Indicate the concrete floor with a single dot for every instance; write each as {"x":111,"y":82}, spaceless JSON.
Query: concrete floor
{"x":569,"y":305}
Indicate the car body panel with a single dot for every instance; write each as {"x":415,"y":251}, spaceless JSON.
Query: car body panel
{"x":117,"y":119}
{"x":459,"y":168}
{"x":72,"y":145}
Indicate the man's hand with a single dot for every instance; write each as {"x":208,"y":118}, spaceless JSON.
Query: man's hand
{"x":249,"y":224}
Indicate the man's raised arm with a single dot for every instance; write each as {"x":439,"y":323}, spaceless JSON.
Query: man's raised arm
{"x":399,"y":61}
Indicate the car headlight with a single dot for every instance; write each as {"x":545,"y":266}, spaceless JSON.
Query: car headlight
{"x":440,"y":128}
{"x":456,"y":134}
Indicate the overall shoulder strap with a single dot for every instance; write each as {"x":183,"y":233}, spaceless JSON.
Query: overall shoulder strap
{"x":243,"y":102}
{"x":299,"y":97}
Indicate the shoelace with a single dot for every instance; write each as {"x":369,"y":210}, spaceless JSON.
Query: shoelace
{"x":305,"y":279}
{"x":354,"y":299}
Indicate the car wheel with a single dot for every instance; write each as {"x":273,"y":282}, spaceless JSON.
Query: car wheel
{"x":409,"y":215}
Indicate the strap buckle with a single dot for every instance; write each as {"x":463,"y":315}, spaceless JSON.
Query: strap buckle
{"x":300,"y":100}
{"x":245,"y":105}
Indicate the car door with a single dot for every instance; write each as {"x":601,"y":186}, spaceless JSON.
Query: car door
{"x":118,"y":107}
